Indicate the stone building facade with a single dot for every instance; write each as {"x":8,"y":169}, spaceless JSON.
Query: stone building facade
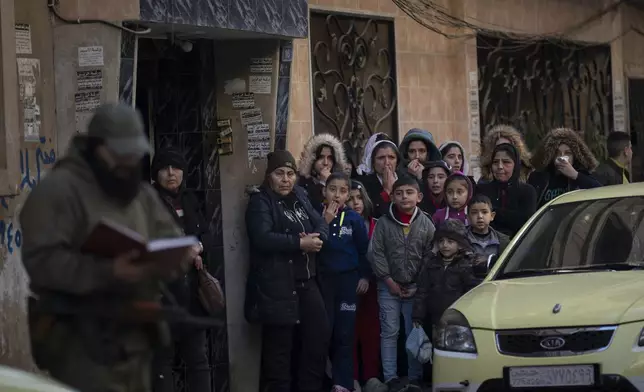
{"x":436,"y":76}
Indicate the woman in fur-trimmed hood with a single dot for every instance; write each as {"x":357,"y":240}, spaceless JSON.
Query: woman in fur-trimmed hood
{"x":562,"y":162}
{"x":504,"y":134}
{"x":323,"y":154}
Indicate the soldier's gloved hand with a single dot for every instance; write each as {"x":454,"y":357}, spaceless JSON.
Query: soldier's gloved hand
{"x":128,"y":269}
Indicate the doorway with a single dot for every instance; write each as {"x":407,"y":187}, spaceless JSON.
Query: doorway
{"x":636,"y":118}
{"x":175,"y":92}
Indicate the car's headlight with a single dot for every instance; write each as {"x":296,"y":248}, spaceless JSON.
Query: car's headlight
{"x":453,"y":333}
{"x":640,"y":339}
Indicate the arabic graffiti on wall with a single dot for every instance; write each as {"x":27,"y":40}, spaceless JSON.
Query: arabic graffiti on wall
{"x":31,"y":175}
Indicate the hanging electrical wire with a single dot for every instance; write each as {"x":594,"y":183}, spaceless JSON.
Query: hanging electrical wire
{"x":438,"y":19}
{"x":54,"y":9}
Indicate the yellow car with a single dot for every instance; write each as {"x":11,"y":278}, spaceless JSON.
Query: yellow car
{"x":562,"y":308}
{"x":14,"y":380}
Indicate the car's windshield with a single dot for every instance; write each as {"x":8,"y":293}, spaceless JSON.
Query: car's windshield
{"x":584,"y":236}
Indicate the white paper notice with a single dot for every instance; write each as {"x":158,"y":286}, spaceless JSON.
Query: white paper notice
{"x":243,"y":101}
{"x":233,"y":86}
{"x":251,"y":116}
{"x":87,"y":101}
{"x":475,"y":128}
{"x":260,"y":84}
{"x":259,"y":141}
{"x":23,"y":38}
{"x":261,"y":65}
{"x":89,"y":80}
{"x":28,"y":74}
{"x":619,"y":107}
{"x":90,"y":56}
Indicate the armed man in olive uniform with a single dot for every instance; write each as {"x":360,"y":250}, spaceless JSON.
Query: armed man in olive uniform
{"x":85,"y":330}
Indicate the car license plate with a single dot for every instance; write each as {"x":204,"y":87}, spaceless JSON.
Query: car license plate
{"x":551,"y":376}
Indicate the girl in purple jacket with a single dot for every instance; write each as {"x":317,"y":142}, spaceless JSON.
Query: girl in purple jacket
{"x":458,"y":192}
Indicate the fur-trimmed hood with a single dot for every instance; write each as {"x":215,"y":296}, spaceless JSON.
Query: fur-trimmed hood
{"x":514,"y":136}
{"x":310,"y":153}
{"x":545,"y":153}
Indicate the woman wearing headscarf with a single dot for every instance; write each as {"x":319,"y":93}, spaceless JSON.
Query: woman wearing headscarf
{"x":323,"y":154}
{"x":285,"y":234}
{"x":504,"y":134}
{"x":562,"y":162}
{"x":167,"y":172}
{"x":417,"y":149}
{"x":380,"y":171}
{"x":513,"y":201}
{"x":454,"y":154}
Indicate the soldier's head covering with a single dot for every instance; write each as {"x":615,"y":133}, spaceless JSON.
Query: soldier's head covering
{"x":121,"y":129}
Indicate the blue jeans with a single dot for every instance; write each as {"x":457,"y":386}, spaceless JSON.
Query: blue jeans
{"x":339,"y":292}
{"x":390,"y":309}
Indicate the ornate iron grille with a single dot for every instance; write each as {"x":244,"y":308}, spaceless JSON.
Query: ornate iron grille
{"x":354,"y":79}
{"x":636,"y":118}
{"x":541,"y":86}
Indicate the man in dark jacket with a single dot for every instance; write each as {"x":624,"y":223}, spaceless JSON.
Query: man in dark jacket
{"x":614,"y":171}
{"x":285,"y":234}
{"x":167,"y":171}
{"x":80,"y":332}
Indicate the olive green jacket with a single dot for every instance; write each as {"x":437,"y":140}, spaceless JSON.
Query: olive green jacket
{"x":60,"y":213}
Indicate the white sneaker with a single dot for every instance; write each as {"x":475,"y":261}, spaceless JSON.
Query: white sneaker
{"x":356,"y":386}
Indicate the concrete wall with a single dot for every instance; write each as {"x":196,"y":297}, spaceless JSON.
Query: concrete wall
{"x":237,"y":172}
{"x":434,"y":71}
{"x":48,"y":85}
{"x":68,"y":39}
{"x":34,"y":155}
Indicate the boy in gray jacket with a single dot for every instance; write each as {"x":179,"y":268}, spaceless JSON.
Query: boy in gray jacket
{"x":401,"y":244}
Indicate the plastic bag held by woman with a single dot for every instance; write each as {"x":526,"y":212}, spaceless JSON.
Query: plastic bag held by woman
{"x":419,"y":345}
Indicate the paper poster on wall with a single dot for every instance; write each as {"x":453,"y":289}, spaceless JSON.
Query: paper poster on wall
{"x":259,"y":141}
{"x":261,"y":65}
{"x":90,"y":56}
{"x":251,"y":116}
{"x":233,"y":86}
{"x":287,"y":53}
{"x":87,"y":101}
{"x":28,"y":74}
{"x":260,"y":84}
{"x":243,"y":101}
{"x":473,"y":93}
{"x":89,"y":80}
{"x":619,"y":107}
{"x":23,"y":38}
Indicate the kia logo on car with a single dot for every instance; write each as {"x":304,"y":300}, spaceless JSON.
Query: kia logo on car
{"x":552,"y":343}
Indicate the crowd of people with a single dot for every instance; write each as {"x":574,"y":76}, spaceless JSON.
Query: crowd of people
{"x":341,"y":250}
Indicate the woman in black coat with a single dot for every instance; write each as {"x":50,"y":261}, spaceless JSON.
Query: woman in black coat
{"x":167,"y":172}
{"x":514,"y":202}
{"x":285,"y":234}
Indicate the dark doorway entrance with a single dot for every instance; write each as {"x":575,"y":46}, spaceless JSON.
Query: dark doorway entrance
{"x":175,"y":92}
{"x":636,"y":118}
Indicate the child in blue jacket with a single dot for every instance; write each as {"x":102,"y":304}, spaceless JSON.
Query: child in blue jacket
{"x":344,"y":274}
